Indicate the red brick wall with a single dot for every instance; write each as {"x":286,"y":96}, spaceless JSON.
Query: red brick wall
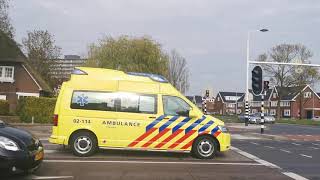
{"x":23,"y":83}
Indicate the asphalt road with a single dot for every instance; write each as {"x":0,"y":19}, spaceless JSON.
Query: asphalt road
{"x":298,"y":153}
{"x":292,"y":158}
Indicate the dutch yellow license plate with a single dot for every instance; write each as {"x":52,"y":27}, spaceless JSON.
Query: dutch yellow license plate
{"x":39,"y":156}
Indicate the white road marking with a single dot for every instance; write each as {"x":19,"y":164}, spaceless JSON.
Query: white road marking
{"x":270,"y":147}
{"x":254,"y":143}
{"x":242,"y":137}
{"x":44,"y":139}
{"x":50,"y":151}
{"x":268,"y":164}
{"x":294,"y":176}
{"x":308,"y":135}
{"x":305,"y":155}
{"x":285,"y":150}
{"x":51,"y":177}
{"x":255,"y":158}
{"x":315,"y":144}
{"x":314,"y":148}
{"x":296,"y":144}
{"x":152,"y":162}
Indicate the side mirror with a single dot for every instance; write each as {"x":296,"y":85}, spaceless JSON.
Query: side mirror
{"x":192,"y":113}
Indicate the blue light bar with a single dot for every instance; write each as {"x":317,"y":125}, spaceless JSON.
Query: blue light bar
{"x":78,"y":72}
{"x":154,"y":77}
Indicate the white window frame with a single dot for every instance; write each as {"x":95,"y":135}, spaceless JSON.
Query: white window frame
{"x":274,"y":95}
{"x":23,"y":94}
{"x":307,"y":94}
{"x":273,"y":112}
{"x":3,"y":72}
{"x":274,"y":103}
{"x":3,"y":97}
{"x":286,"y":112}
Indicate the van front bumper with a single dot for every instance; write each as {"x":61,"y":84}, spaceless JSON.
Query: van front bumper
{"x":225,"y":141}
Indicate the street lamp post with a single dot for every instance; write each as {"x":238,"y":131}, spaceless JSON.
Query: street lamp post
{"x":247,"y":79}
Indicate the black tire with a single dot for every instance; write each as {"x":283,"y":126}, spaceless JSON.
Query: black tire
{"x":198,"y":150}
{"x":81,"y":139}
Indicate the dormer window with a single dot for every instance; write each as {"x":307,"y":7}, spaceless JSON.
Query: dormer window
{"x":6,"y":74}
{"x":274,"y":95}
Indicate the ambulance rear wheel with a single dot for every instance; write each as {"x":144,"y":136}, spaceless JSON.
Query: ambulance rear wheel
{"x":83,"y":144}
{"x":204,"y":147}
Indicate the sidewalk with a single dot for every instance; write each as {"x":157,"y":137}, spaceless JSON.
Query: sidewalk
{"x":252,"y":131}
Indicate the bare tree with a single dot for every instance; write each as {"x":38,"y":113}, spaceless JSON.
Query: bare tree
{"x":41,"y":50}
{"x":178,"y":74}
{"x":284,"y":76}
{"x":5,"y":24}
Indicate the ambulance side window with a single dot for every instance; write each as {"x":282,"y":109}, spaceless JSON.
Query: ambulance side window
{"x":175,"y":106}
{"x":88,"y":100}
{"x":137,"y":103}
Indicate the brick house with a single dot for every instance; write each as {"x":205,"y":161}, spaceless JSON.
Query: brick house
{"x":199,"y":102}
{"x":229,"y":103}
{"x":17,"y":78}
{"x":290,"y":102}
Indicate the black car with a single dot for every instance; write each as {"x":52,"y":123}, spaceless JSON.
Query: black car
{"x":20,"y":151}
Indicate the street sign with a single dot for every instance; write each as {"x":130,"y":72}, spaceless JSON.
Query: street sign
{"x":257,"y":80}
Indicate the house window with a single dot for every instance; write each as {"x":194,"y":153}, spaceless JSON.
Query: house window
{"x":272,"y":112}
{"x":307,"y":94}
{"x":3,"y":97}
{"x":274,"y":95}
{"x":254,"y":111}
{"x":274,"y":103}
{"x":284,"y":103}
{"x":286,"y":112}
{"x":218,"y":99}
{"x":6,"y":73}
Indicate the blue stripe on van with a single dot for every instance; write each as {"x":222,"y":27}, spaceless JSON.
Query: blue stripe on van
{"x":168,"y":123}
{"x":193,"y":125}
{"x":214,"y":130}
{"x":156,"y":121}
{"x":204,"y":127}
{"x":180,"y":124}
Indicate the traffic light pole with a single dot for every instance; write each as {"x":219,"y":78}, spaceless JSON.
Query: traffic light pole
{"x":263,"y":94}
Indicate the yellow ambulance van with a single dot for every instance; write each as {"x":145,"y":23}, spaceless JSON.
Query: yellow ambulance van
{"x":104,"y":108}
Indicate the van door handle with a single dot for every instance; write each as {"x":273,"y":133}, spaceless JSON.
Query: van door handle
{"x":166,"y":118}
{"x":152,"y":117}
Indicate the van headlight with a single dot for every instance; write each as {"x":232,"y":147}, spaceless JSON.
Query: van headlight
{"x":223,"y":129}
{"x":8,"y":144}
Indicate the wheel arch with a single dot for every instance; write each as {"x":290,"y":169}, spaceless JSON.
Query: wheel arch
{"x":81,"y":130}
{"x":210,"y":136}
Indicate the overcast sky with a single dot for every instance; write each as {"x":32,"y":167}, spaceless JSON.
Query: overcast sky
{"x":210,"y":34}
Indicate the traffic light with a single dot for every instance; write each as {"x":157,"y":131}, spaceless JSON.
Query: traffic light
{"x":266,"y":85}
{"x":257,"y":80}
{"x":207,"y":93}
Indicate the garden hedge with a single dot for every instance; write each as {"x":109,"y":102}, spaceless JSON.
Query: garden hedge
{"x":40,"y":108}
{"x":4,"y":107}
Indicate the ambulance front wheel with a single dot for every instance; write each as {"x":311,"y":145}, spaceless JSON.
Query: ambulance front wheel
{"x":83,"y":143}
{"x":204,"y":147}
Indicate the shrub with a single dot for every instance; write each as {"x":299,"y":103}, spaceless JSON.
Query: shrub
{"x":4,"y":107}
{"x":40,"y":108}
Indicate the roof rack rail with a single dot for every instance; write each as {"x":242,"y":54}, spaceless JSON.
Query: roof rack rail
{"x":154,"y":77}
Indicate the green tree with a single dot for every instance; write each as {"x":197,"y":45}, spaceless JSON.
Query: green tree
{"x":284,"y":76}
{"x":41,"y":50}
{"x":5,"y":24}
{"x":126,"y":53}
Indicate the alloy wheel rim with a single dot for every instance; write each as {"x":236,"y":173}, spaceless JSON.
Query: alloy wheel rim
{"x":205,"y":148}
{"x":83,"y":144}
